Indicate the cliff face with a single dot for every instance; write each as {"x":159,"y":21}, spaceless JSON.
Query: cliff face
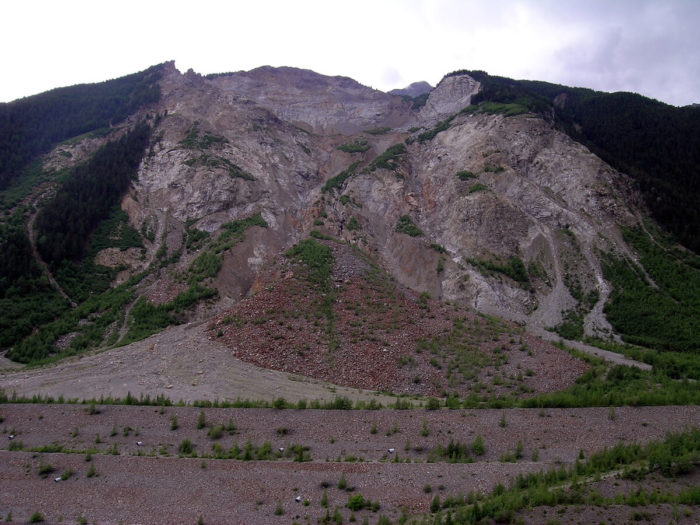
{"x":511,"y":212}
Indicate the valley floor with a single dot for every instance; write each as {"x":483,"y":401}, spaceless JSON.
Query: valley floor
{"x":383,"y":455}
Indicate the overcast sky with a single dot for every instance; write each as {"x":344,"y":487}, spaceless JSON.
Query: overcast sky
{"x":650,"y":47}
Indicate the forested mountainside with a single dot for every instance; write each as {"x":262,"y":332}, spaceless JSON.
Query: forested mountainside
{"x":160,"y":197}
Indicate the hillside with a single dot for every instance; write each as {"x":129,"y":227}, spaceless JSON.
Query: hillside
{"x":176,"y":212}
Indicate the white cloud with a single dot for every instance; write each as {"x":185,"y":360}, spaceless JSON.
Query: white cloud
{"x":640,"y":45}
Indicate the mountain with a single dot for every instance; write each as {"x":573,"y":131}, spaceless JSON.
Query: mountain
{"x":193,"y":197}
{"x":413,"y":90}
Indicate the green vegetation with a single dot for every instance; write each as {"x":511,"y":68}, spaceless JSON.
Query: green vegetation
{"x":672,"y":457}
{"x":213,"y":161}
{"x":195,"y":140}
{"x":378,"y":131}
{"x":194,"y":238}
{"x":339,"y":180}
{"x":353,"y":224}
{"x":33,"y":125}
{"x":87,"y":197}
{"x":27,"y":300}
{"x":318,"y":260}
{"x":338,"y":403}
{"x":571,"y":326}
{"x":665,"y":316}
{"x":454,"y":452}
{"x":416,"y":102}
{"x":407,"y":226}
{"x":186,"y":448}
{"x":514,"y":268}
{"x":22,"y":186}
{"x":438,"y":128}
{"x":147,"y":319}
{"x":478,"y":187}
{"x":478,"y":446}
{"x":496,"y":108}
{"x":356,"y":146}
{"x":389,"y":160}
{"x":466,"y":175}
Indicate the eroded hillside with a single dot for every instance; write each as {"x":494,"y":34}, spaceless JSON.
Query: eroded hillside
{"x":486,"y":206}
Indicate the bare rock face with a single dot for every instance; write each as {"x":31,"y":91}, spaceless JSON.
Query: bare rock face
{"x":511,"y":214}
{"x":316,"y":102}
{"x":451,"y":95}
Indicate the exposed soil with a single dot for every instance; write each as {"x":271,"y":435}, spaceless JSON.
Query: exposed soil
{"x":180,"y":363}
{"x":383,"y":338}
{"x":148,"y":483}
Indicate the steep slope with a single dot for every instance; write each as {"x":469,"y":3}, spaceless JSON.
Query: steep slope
{"x":488,"y":206}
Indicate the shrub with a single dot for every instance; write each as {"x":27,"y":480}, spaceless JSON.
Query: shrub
{"x":356,"y":502}
{"x":478,"y":446}
{"x":356,"y":146}
{"x":342,"y":482}
{"x":389,"y":159}
{"x":216,"y":431}
{"x":185,"y":448}
{"x":45,"y":469}
{"x":407,"y":226}
{"x":339,"y":180}
{"x":378,"y":131}
{"x":466,"y":175}
{"x":201,"y":420}
{"x":432,"y":404}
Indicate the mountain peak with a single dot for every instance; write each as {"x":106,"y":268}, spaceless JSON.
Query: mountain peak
{"x":413,"y":90}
